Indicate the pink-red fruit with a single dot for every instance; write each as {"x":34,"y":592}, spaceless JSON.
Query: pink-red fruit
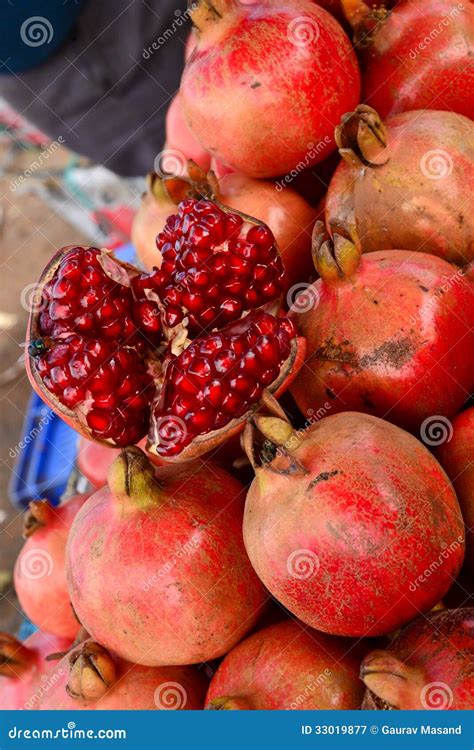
{"x":428,"y":665}
{"x":344,"y":525}
{"x":40,"y":574}
{"x":287,"y":666}
{"x":157,"y":568}
{"x":267,"y":83}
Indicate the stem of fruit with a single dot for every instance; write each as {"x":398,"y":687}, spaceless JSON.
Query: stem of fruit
{"x":210,"y":11}
{"x":92,"y":672}
{"x":361,"y":138}
{"x":392,"y":680}
{"x":15,"y":658}
{"x":365,"y":20}
{"x":132,"y":481}
{"x":39,"y":514}
{"x":335,"y":259}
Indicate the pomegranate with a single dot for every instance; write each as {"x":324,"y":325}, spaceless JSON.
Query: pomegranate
{"x":24,"y":668}
{"x":149,"y":220}
{"x":107,"y":341}
{"x":456,"y":456}
{"x":40,"y":576}
{"x":91,"y":678}
{"x":417,"y":56}
{"x":286,"y":213}
{"x":385,"y":333}
{"x":288,"y":666}
{"x":181,"y":144}
{"x":428,"y":666}
{"x":168,"y":581}
{"x":403,"y":184}
{"x":267,"y":83}
{"x":94,"y":460}
{"x":344,"y":524}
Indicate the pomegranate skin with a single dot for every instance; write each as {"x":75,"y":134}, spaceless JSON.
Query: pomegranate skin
{"x":419,"y":57}
{"x":132,"y":688}
{"x":344,"y":530}
{"x":23,"y":687}
{"x":40,"y":575}
{"x":409,"y":190}
{"x":287,"y":666}
{"x":94,"y":461}
{"x":285,"y":72}
{"x":456,"y":456}
{"x":383,"y":339}
{"x":168,"y":581}
{"x":181,"y":144}
{"x":428,"y":666}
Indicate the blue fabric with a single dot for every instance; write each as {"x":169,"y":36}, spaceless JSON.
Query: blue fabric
{"x":30,"y":31}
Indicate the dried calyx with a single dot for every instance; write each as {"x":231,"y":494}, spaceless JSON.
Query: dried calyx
{"x":92,"y":673}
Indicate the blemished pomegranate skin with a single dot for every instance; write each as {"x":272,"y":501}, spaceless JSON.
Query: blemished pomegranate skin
{"x":157,"y":568}
{"x":289,"y":667}
{"x":342,"y":525}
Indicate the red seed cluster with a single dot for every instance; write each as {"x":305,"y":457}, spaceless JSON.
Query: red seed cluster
{"x":110,"y":382}
{"x":219,"y":376}
{"x":214,"y":267}
{"x":83,"y":297}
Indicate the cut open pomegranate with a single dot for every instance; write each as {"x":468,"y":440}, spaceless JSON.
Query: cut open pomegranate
{"x":117,"y":353}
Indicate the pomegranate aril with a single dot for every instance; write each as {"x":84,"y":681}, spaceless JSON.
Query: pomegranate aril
{"x":267,"y":350}
{"x":224,"y":361}
{"x":260,"y":235}
{"x":215,"y":392}
{"x":199,"y":421}
{"x":72,"y":396}
{"x":100,"y":422}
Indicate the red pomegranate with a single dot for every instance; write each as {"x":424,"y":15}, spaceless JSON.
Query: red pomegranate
{"x":416,"y":56}
{"x":157,"y":569}
{"x":456,"y":456}
{"x":24,"y":668}
{"x":347,"y":526}
{"x":288,"y":666}
{"x":40,"y":575}
{"x":94,"y":679}
{"x":267,"y":83}
{"x":181,"y":143}
{"x":119,"y":354}
{"x":281,"y":208}
{"x":428,"y":666}
{"x":404,"y":184}
{"x":385,"y":332}
{"x":94,"y":461}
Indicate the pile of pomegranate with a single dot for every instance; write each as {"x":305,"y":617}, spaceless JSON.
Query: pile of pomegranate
{"x":274,"y":403}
